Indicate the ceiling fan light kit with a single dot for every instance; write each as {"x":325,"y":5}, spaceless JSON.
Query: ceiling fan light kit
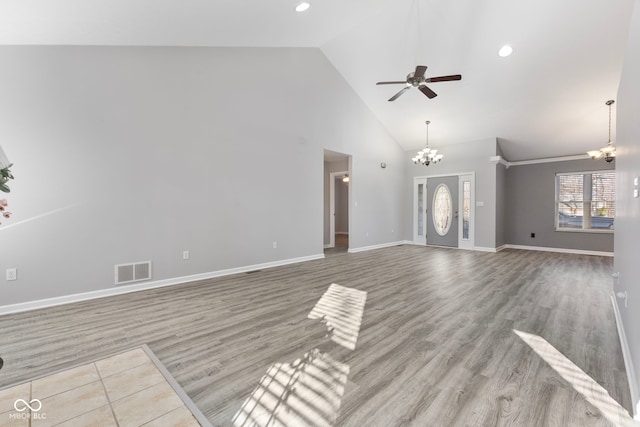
{"x":301,"y":7}
{"x":427,"y":155}
{"x":505,"y":51}
{"x":417,"y":79}
{"x":608,"y":153}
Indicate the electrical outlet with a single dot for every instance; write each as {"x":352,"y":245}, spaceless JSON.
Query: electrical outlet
{"x":12,"y":274}
{"x":533,"y":235}
{"x":275,"y":245}
{"x":185,"y":255}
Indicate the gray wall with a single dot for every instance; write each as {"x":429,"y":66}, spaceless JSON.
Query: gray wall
{"x":531,"y":207}
{"x":465,"y":157}
{"x":627,"y":234}
{"x":127,"y":154}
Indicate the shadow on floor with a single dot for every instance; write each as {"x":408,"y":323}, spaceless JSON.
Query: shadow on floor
{"x":342,"y":246}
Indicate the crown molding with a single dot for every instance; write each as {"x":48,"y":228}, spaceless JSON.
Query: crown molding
{"x":508,"y":164}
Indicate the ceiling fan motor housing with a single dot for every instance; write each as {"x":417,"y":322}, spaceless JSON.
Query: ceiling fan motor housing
{"x":413,"y":81}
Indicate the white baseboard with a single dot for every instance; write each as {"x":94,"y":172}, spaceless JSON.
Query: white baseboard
{"x":481,"y":249}
{"x":628,"y":364}
{"x":50,"y":302}
{"x":380,"y":246}
{"x":559,"y":250}
{"x":498,"y":249}
{"x":475,"y":248}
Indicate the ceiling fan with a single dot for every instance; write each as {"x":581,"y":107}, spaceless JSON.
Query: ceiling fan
{"x":417,"y":79}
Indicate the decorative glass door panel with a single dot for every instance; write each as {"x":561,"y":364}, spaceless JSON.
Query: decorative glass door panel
{"x":467,"y":202}
{"x":419,"y":213}
{"x":466,"y":209}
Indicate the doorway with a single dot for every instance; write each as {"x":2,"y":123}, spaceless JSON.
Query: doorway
{"x":444,"y":210}
{"x":337,"y":193}
{"x":339,"y":209}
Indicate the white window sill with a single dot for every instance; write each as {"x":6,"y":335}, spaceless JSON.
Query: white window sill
{"x":585,"y":230}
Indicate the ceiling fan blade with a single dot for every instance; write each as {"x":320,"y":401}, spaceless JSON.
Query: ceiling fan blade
{"x":420,"y":70}
{"x":430,"y":94}
{"x":392,"y":83}
{"x":397,"y":95}
{"x":444,"y":78}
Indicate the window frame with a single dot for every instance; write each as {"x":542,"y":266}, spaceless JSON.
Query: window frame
{"x":584,"y":202}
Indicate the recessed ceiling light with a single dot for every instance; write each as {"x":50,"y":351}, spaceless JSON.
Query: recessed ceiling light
{"x":302,"y":6}
{"x":505,"y":50}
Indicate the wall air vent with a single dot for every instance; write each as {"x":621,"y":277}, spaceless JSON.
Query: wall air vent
{"x":135,"y":272}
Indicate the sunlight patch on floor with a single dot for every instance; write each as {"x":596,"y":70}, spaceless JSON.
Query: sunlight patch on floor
{"x":341,"y":308}
{"x":309,"y":390}
{"x":593,"y":392}
{"x":305,"y":392}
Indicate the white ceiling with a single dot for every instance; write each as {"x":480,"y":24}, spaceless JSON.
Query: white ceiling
{"x":545,"y":100}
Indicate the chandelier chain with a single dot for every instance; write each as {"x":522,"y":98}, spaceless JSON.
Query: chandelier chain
{"x":607,"y":153}
{"x":609,"y":143}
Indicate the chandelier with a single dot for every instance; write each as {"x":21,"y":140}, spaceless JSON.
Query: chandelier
{"x":608,"y":152}
{"x":427,"y":155}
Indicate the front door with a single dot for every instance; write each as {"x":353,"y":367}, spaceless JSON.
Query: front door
{"x":442,"y":211}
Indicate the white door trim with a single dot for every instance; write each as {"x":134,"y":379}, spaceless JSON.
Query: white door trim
{"x":332,"y":206}
{"x":446,"y":174}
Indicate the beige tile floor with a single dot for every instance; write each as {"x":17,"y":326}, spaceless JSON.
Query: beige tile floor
{"x":126,"y":390}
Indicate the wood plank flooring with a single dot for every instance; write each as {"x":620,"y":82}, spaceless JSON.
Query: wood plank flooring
{"x":436,"y":345}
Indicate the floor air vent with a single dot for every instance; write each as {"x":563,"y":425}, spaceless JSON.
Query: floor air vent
{"x":128,"y":273}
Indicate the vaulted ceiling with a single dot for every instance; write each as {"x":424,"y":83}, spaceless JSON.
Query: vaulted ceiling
{"x":547,"y":99}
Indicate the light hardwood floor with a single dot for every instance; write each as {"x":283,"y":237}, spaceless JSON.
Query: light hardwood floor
{"x":437,"y":344}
